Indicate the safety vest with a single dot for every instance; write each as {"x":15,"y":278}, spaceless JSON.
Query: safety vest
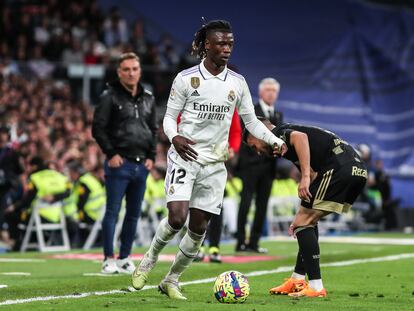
{"x":233,"y":187}
{"x":155,"y":194}
{"x":284,"y":188}
{"x":286,"y":192}
{"x":96,"y":200}
{"x":70,"y":208}
{"x":49,"y":182}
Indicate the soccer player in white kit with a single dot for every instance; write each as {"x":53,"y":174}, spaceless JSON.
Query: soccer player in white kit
{"x":206,"y":96}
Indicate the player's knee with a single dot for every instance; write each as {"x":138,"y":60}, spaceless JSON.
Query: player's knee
{"x":298,"y":229}
{"x":177,"y":220}
{"x":313,"y":221}
{"x":308,"y":218}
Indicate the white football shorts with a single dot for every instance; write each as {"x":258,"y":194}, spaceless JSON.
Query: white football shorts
{"x":202,"y":185}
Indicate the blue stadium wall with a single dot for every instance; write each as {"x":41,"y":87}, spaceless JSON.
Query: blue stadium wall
{"x":347,"y":66}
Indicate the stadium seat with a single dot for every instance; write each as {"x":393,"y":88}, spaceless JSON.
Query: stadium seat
{"x":280,"y":213}
{"x":36,"y":225}
{"x":97,"y":227}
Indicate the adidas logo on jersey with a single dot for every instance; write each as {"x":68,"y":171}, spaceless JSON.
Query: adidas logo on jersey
{"x":195,"y":93}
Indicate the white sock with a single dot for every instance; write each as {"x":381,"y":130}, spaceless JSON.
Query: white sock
{"x":297,"y":276}
{"x":165,"y":233}
{"x":189,"y":246}
{"x":316,"y":284}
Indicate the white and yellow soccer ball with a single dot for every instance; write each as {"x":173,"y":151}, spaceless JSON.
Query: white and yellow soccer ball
{"x":231,"y":287}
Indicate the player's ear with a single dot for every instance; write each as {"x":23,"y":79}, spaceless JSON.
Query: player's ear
{"x":207,"y":44}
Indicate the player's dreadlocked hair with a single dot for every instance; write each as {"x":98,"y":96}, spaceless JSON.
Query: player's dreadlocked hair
{"x":201,"y":35}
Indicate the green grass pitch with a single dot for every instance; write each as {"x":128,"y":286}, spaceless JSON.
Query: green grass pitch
{"x":379,"y":285}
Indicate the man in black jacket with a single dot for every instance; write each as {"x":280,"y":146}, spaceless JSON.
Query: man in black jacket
{"x":125,"y":127}
{"x":257,"y":173}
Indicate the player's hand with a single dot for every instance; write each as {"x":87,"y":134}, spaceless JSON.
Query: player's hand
{"x":303,"y":189}
{"x":182,"y":146}
{"x":115,"y":161}
{"x":279,"y":151}
{"x":149,"y":164}
{"x":291,"y":231}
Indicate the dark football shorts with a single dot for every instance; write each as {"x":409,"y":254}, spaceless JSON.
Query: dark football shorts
{"x":336,"y":189}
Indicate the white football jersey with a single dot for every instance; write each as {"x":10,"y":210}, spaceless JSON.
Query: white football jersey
{"x":207,"y":104}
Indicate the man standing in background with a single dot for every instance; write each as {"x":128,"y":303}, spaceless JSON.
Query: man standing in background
{"x":125,"y":127}
{"x":257,"y":173}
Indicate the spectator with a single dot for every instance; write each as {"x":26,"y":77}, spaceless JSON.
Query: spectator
{"x":115,"y":29}
{"x":257,"y":173}
{"x":125,"y":127}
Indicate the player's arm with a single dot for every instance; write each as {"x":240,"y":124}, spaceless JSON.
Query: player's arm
{"x":300,"y":143}
{"x":259,"y":130}
{"x":101,"y":120}
{"x":175,"y":104}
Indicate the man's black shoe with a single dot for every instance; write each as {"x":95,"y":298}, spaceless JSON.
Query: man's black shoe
{"x":240,"y":248}
{"x":256,"y":249}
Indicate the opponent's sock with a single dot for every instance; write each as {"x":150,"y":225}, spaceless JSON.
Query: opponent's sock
{"x":189,"y":246}
{"x":316,"y":232}
{"x":316,"y":284}
{"x":164,"y":234}
{"x":299,"y":267}
{"x":309,"y":249}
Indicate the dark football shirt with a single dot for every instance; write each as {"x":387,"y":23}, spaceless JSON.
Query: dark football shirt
{"x":326,"y":148}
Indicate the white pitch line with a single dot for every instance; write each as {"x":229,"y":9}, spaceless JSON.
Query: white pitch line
{"x":21,"y":260}
{"x":3,"y":286}
{"x":209,"y":280}
{"x":16,"y":273}
{"x":102,"y":274}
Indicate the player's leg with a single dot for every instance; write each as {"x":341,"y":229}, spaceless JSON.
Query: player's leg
{"x":304,"y":230}
{"x":325,"y":188}
{"x":188,"y":248}
{"x":166,"y":230}
{"x":307,"y":259}
{"x":178,"y":186}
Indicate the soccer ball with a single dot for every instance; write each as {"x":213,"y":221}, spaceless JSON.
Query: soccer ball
{"x":231,"y":287}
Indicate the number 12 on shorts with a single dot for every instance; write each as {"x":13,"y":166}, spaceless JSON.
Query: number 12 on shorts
{"x":180,"y":175}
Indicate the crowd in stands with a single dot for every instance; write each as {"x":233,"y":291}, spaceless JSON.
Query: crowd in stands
{"x":41,"y":40}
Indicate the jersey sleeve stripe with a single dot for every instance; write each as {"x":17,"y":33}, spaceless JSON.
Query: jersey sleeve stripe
{"x":235,"y":74}
{"x":189,"y":71}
